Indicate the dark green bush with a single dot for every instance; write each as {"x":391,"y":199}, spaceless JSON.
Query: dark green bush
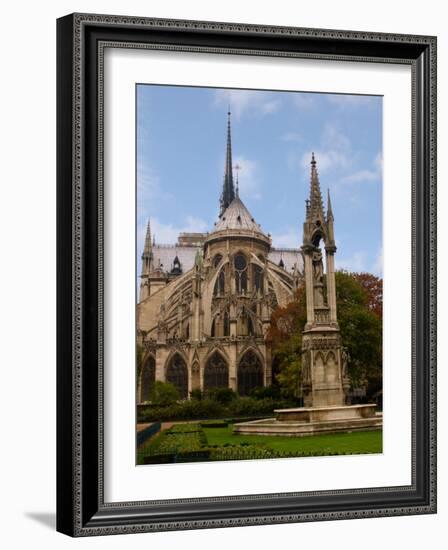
{"x":214,"y":424}
{"x":270,"y":392}
{"x":222,"y":395}
{"x":193,"y":409}
{"x":164,"y":393}
{"x":196,"y":395}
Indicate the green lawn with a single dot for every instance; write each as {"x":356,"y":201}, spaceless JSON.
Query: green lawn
{"x":355,"y":442}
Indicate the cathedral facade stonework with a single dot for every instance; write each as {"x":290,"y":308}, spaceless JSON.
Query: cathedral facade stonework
{"x":205,"y":303}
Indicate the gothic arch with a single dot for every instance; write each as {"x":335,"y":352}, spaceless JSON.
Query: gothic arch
{"x":216,"y":371}
{"x":220,"y":324}
{"x":179,"y":351}
{"x":217,"y":349}
{"x":319,"y":368}
{"x":195,"y":375}
{"x":177,"y":373}
{"x":331,"y":371}
{"x":147,"y":377}
{"x":240,"y":270}
{"x":250,"y":373}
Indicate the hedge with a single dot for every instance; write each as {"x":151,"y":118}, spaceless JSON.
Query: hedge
{"x":209,"y":408}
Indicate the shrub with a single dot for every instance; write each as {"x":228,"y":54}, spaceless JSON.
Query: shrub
{"x":214,"y":424}
{"x":164,"y":393}
{"x":271,"y":392}
{"x":181,"y":438}
{"x":222,"y":395}
{"x":239,"y":407}
{"x":196,"y":395}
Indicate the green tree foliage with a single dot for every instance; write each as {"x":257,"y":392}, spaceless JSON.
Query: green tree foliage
{"x":359,"y":308}
{"x":361,"y":330}
{"x":139,"y":359}
{"x":164,"y":394}
{"x":285,"y":335}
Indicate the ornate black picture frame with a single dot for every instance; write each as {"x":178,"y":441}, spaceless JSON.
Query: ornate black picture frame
{"x":81,"y":509}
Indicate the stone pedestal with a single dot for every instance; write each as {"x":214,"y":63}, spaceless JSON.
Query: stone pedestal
{"x":314,"y":420}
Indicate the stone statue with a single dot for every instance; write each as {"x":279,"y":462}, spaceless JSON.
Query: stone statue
{"x":318,"y":276}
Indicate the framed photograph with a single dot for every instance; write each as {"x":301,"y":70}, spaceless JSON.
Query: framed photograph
{"x":246,"y":274}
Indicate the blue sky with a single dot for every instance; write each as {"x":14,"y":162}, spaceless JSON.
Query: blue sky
{"x":181,"y":141}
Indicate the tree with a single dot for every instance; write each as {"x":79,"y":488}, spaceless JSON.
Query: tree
{"x":139,"y":359}
{"x":164,"y":393}
{"x":359,"y":308}
{"x":285,"y":336}
{"x":361,"y":329}
{"x":374,"y":289}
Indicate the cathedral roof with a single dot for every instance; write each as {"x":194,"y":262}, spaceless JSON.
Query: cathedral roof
{"x":164,"y":255}
{"x":237,"y":216}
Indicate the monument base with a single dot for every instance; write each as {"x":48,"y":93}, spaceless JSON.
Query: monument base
{"x":314,"y":420}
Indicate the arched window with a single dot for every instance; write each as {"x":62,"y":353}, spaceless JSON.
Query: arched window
{"x":257,"y":275}
{"x":216,"y":260}
{"x":221,"y":325}
{"x":250,"y":373}
{"x":177,"y":374}
{"x":245,"y":325}
{"x":250,"y":326}
{"x":148,"y":377}
{"x":195,"y":376}
{"x":216,"y":372}
{"x":219,"y":289}
{"x":226,"y":324}
{"x":240,"y":265}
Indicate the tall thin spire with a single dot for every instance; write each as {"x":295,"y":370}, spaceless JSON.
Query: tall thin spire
{"x":314,"y":206}
{"x":147,"y":249}
{"x":329,"y":208}
{"x":147,"y":252}
{"x":228,"y":190}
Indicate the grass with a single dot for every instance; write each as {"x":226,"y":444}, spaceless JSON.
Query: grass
{"x":355,"y":442}
{"x":225,"y":445}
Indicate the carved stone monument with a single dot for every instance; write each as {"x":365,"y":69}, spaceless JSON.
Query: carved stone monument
{"x":324,"y":361}
{"x":323,"y":383}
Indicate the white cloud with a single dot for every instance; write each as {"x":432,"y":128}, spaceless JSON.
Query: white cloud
{"x":291,"y":238}
{"x":367,"y":174}
{"x":149,"y":189}
{"x":334,"y":152}
{"x":377,"y":268}
{"x":167,"y":233}
{"x":243,"y":101}
{"x":334,"y":138}
{"x":355,"y":263}
{"x":361,"y":176}
{"x":326,"y":160}
{"x":378,"y":162}
{"x":249,"y":185}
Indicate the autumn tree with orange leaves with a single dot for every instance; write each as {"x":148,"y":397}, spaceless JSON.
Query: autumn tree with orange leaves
{"x":359,"y":305}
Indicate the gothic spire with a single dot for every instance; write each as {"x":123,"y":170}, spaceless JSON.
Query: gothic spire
{"x":314,"y":207}
{"x":147,"y":249}
{"x":329,"y":208}
{"x":228,"y":190}
{"x":147,"y":253}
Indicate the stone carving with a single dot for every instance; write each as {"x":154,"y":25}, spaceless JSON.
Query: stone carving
{"x":318,"y":275}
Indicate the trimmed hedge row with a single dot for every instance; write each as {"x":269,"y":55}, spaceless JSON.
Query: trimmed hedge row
{"x":188,"y":443}
{"x":209,"y":408}
{"x":181,"y":438}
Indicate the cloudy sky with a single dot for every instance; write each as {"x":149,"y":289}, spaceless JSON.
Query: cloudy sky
{"x":181,"y":141}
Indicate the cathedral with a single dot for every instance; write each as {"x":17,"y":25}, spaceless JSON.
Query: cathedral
{"x":205,"y":303}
